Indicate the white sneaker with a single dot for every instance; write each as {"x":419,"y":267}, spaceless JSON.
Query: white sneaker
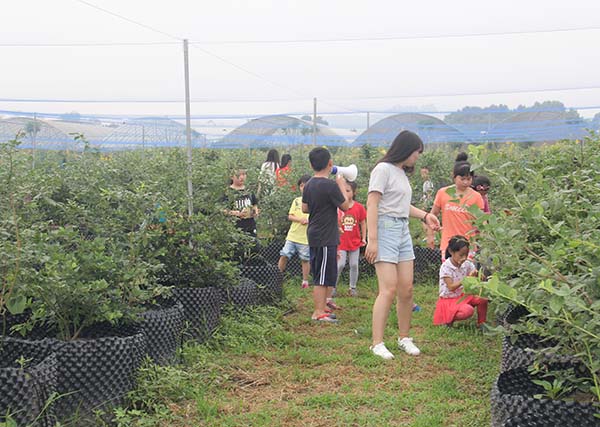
{"x":407,"y":345}
{"x":381,"y":351}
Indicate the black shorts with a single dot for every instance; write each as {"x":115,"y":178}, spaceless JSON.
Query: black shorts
{"x":323,"y":265}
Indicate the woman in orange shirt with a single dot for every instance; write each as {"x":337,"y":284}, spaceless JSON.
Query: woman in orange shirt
{"x":453,"y":203}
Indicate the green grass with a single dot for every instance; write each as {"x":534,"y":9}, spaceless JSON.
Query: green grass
{"x":272,"y":366}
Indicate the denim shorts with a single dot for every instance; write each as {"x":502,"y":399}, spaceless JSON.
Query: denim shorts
{"x":394,"y":241}
{"x":290,"y":248}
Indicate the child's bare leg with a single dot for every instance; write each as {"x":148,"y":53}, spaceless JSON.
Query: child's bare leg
{"x":305,"y":270}
{"x":282,"y":264}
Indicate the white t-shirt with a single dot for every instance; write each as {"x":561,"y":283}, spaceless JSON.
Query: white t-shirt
{"x":456,"y":274}
{"x":391,"y":181}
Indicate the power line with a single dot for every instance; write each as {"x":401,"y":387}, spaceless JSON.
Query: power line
{"x":435,"y":95}
{"x":148,"y":27}
{"x":284,"y":41}
{"x":300,"y":98}
{"x":258,"y":76}
{"x":220,"y":58}
{"x":88,"y":44}
{"x":390,"y":38}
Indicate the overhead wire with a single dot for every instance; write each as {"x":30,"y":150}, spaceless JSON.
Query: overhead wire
{"x":195,"y":44}
{"x":269,"y":100}
{"x":132,"y":21}
{"x":289,"y":41}
{"x":220,"y":58}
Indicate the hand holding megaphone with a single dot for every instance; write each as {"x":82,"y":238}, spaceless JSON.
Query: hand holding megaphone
{"x":348,"y":172}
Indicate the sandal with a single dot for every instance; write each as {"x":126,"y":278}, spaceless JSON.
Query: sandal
{"x":326,"y":318}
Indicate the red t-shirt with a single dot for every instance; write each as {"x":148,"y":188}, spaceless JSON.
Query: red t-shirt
{"x":456,"y":220}
{"x":349,"y":221}
{"x":281,"y":175}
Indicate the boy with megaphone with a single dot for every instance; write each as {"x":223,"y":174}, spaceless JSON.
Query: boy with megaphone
{"x":321,"y":199}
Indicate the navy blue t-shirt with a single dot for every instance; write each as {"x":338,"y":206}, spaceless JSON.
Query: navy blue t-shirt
{"x":323,"y":197}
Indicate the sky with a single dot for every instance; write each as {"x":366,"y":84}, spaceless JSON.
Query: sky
{"x":248,"y":58}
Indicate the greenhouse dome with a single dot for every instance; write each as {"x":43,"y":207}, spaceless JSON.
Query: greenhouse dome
{"x":37,"y":134}
{"x":278,"y":130}
{"x":429,"y":128}
{"x":149,"y":132}
{"x":538,"y":126}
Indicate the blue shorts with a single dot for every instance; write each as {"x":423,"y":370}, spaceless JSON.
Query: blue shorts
{"x":394,"y":241}
{"x":323,"y":265}
{"x":290,"y":248}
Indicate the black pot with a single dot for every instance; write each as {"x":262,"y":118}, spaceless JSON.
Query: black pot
{"x":269,"y":280}
{"x":512,"y":401}
{"x":25,"y":391}
{"x":202,"y":311}
{"x":97,"y":370}
{"x":244,"y":295}
{"x":512,"y":315}
{"x":163,"y":328}
{"x":93,"y":372}
{"x":527,"y":349}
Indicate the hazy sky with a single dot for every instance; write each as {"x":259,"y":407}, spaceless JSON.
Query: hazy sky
{"x":394,"y":57}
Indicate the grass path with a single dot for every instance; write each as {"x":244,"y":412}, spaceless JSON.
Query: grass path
{"x":274,"y":367}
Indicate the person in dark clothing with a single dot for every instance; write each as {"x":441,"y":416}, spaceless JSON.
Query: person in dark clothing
{"x":241,"y":203}
{"x":321,"y":199}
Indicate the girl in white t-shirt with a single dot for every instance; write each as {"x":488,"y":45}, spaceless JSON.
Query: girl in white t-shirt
{"x":453,"y":304}
{"x":389,"y":245}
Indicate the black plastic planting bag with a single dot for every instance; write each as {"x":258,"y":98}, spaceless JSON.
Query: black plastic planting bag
{"x":202,"y":311}
{"x":512,"y":400}
{"x":270,"y":254}
{"x":93,"y":372}
{"x":97,"y":370}
{"x":245,"y":294}
{"x":26,"y":389}
{"x":512,"y":315}
{"x":269,"y":280}
{"x":523,"y":352}
{"x":163,"y":328}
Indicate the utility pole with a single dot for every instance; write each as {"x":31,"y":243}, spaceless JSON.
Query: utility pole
{"x":143,"y":141}
{"x":314,"y":129}
{"x":368,"y":120}
{"x":188,"y":129}
{"x":34,"y":133}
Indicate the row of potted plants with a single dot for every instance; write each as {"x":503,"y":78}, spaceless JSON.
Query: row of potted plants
{"x":541,"y":245}
{"x":91,"y":255}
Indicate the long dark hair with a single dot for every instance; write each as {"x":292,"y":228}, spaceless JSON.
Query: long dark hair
{"x":405,"y":143}
{"x":273,"y":156}
{"x":285,"y":159}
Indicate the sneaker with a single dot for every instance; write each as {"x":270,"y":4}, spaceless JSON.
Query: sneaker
{"x":381,"y":351}
{"x":353,"y":292}
{"x":304,"y":285}
{"x":416,"y":308}
{"x":407,"y":345}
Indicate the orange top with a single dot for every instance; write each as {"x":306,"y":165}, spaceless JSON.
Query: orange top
{"x":456,"y":219}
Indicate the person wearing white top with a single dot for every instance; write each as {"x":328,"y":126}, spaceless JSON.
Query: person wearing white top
{"x":389,"y":245}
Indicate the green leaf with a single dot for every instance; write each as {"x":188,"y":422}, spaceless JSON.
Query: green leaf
{"x":556,"y":303}
{"x":16,"y":305}
{"x":545,"y":384}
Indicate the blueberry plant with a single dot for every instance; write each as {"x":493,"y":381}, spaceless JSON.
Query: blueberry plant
{"x":542,"y":243}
